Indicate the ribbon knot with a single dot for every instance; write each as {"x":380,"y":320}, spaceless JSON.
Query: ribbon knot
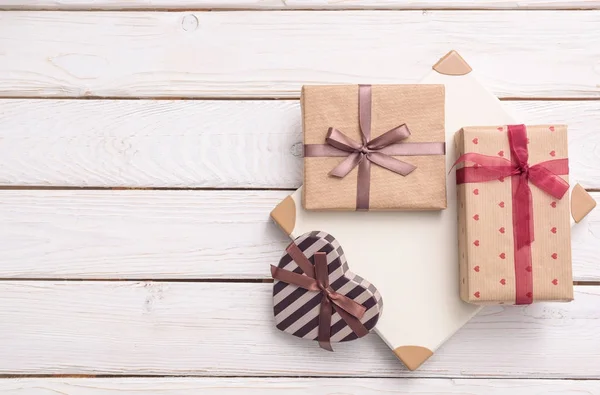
{"x":544,"y":175}
{"x":523,"y":170}
{"x":316,"y":278}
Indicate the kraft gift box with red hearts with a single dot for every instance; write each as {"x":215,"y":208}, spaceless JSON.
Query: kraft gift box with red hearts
{"x":514,"y":214}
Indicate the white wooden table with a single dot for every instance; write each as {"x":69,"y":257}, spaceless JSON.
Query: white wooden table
{"x":141,"y":151}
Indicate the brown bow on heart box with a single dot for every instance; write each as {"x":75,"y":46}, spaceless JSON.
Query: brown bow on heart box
{"x":379,"y":147}
{"x":317,"y":297}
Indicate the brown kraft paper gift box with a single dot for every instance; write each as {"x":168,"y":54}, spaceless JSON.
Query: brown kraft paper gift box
{"x":420,"y":107}
{"x":485,"y":223}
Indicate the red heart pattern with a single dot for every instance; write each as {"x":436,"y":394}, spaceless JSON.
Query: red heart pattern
{"x":502,"y":230}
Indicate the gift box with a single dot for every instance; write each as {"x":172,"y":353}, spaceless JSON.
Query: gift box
{"x":408,"y":268}
{"x":317,"y":297}
{"x":379,"y":147}
{"x":514,"y":214}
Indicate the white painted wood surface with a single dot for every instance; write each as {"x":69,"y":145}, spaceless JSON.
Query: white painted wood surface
{"x":271,"y":54}
{"x":295,"y":4}
{"x":168,"y":234}
{"x":226,"y":329}
{"x":197,"y":143}
{"x":182,"y":324}
{"x":297,"y":386}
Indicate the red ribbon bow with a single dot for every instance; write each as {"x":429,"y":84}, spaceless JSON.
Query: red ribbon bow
{"x":316,"y":279}
{"x":544,"y":175}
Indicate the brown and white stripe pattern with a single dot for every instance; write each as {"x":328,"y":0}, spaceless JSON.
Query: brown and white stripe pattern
{"x":297,"y":310}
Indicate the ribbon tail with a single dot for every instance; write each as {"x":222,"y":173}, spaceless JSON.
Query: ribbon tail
{"x":347,"y":165}
{"x":354,"y":323}
{"x":390,"y":163}
{"x":325,"y":314}
{"x":348,"y":305}
{"x":547,"y":181}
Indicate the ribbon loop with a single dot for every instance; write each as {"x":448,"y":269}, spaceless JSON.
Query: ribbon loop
{"x":544,"y":175}
{"x":318,"y":280}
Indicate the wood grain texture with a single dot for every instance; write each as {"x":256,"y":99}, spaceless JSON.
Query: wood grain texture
{"x":139,"y":234}
{"x":271,"y":54}
{"x":149,"y":143}
{"x":226,"y":329}
{"x":294,"y":4}
{"x":168,"y":235}
{"x":196,"y":143}
{"x":297,"y":386}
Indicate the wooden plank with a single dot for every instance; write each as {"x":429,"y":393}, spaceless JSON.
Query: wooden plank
{"x":271,"y":54}
{"x":168,"y":235}
{"x":196,"y":143}
{"x":132,"y":143}
{"x":276,"y":386}
{"x":295,"y":4}
{"x":227,"y":329}
{"x":139,"y":234}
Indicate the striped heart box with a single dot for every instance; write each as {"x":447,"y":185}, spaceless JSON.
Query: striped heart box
{"x":297,"y":310}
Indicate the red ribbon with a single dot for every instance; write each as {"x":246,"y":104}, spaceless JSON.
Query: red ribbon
{"x":316,"y":279}
{"x":544,"y":175}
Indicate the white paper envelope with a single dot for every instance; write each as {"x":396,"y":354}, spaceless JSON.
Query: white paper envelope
{"x":411,"y":257}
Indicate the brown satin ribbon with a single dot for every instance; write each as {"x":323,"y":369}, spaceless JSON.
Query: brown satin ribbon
{"x":380,"y":150}
{"x":316,"y":279}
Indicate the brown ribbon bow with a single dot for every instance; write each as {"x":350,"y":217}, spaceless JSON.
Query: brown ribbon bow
{"x":379,"y":150}
{"x":316,"y":279}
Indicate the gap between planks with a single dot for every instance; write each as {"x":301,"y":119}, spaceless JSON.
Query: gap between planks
{"x":592,"y":6}
{"x":188,"y":280}
{"x":300,"y":377}
{"x":252,"y":98}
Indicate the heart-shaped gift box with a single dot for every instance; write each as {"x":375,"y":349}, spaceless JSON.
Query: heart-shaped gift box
{"x":305,"y":298}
